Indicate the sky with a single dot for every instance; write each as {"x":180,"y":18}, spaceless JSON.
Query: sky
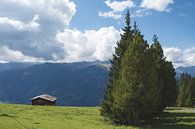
{"x":87,"y":30}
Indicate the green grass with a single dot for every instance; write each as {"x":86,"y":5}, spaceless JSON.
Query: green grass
{"x":36,"y":117}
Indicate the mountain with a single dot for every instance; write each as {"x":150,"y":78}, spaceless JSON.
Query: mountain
{"x":75,"y":84}
{"x":189,"y":70}
{"x":14,"y":65}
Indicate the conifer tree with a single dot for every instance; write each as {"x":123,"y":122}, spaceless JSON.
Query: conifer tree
{"x":183,"y":86}
{"x":122,"y":45}
{"x":135,"y":96}
{"x":166,"y":74}
{"x":136,"y":90}
{"x":169,"y":91}
{"x":189,"y":97}
{"x":193,"y":92}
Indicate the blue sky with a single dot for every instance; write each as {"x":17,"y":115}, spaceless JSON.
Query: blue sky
{"x":174,"y":28}
{"x":87,"y":30}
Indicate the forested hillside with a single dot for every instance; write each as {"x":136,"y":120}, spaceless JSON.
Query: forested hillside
{"x":76,"y":84}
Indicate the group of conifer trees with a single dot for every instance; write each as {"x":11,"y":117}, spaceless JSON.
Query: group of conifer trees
{"x":186,"y":95}
{"x":141,"y":82}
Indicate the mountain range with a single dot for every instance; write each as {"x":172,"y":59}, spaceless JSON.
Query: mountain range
{"x":74,"y":84}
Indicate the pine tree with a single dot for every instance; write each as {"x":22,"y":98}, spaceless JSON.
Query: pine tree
{"x":136,"y":91}
{"x":183,"y":86}
{"x":190,"y":93}
{"x":170,"y":85}
{"x":122,"y":45}
{"x":158,"y":56}
{"x":135,"y":96}
{"x":188,"y":102}
{"x":193,"y":92}
{"x":166,"y":74}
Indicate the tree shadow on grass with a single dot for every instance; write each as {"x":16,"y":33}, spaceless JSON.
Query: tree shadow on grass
{"x":172,"y":120}
{"x":176,"y":120}
{"x":6,"y":115}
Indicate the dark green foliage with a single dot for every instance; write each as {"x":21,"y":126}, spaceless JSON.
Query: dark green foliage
{"x":169,"y":91}
{"x":136,"y":93}
{"x":141,"y":84}
{"x":166,"y":74}
{"x":188,"y":102}
{"x":122,"y":45}
{"x":186,"y":91}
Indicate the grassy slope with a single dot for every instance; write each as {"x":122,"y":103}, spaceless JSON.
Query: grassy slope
{"x":29,"y":117}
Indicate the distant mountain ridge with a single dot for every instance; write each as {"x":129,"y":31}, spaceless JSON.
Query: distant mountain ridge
{"x":190,"y":70}
{"x":75,"y":84}
{"x":12,"y":66}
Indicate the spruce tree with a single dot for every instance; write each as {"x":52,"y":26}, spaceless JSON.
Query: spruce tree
{"x":158,"y":56}
{"x":135,"y":96}
{"x":170,"y":87}
{"x":136,"y":91}
{"x":193,"y":92}
{"x":189,"y":96}
{"x":183,"y":86}
{"x":122,"y":45}
{"x":190,"y":90}
{"x":166,"y":74}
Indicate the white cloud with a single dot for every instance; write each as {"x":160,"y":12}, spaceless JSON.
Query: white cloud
{"x":119,"y":6}
{"x":8,"y":55}
{"x":62,"y":10}
{"x":116,"y":7}
{"x":30,"y":26}
{"x":52,"y":41}
{"x":159,"y":5}
{"x":89,"y":45}
{"x":110,"y":14}
{"x":141,"y":13}
{"x":19,"y":25}
{"x":180,"y":57}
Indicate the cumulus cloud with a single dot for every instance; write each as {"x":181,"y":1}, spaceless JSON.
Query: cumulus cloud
{"x":19,"y":25}
{"x":8,"y":55}
{"x":159,"y":5}
{"x":180,"y":57}
{"x":30,"y":26}
{"x":89,"y":45}
{"x":38,"y":31}
{"x":110,"y":14}
{"x":116,"y":7}
{"x":141,"y":13}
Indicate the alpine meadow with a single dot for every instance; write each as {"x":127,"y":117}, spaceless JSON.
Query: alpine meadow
{"x":97,"y":64}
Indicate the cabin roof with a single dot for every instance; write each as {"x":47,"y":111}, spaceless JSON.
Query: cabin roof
{"x":46,"y":97}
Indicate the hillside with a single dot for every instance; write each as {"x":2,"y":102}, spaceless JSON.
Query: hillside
{"x":77,"y":84}
{"x":189,"y":70}
{"x":36,"y":117}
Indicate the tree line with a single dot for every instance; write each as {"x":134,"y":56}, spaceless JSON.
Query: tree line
{"x":141,"y":81}
{"x":186,"y":92}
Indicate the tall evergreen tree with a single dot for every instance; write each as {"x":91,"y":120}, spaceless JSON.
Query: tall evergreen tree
{"x":122,"y":45}
{"x":189,"y":97}
{"x":136,"y":90}
{"x":193,"y":92}
{"x":166,"y":74}
{"x":183,"y":86}
{"x":169,"y":91}
{"x":135,"y":96}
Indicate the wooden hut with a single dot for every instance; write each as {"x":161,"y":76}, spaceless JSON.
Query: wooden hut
{"x":44,"y":100}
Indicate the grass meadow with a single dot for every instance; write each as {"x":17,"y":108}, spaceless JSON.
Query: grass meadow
{"x":50,"y":117}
